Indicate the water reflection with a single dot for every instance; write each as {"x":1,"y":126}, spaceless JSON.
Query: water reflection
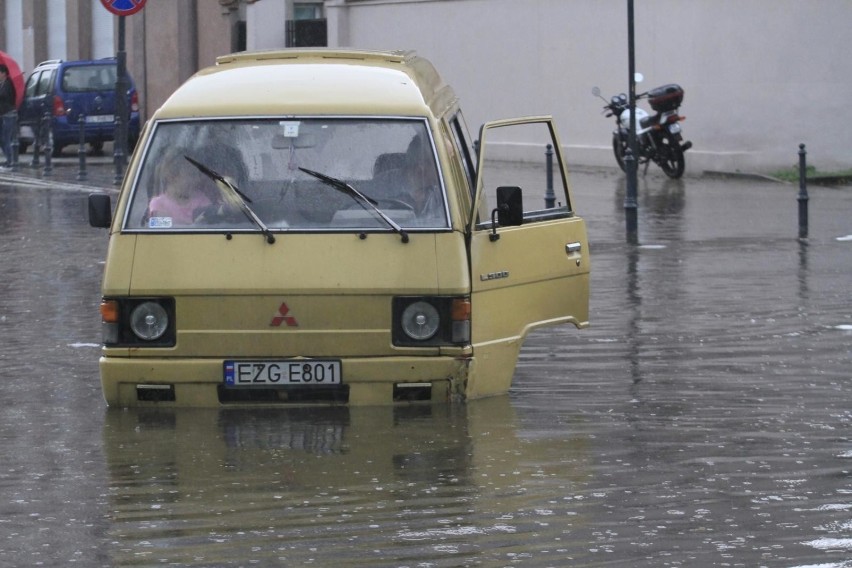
{"x":328,"y":486}
{"x":703,"y":419}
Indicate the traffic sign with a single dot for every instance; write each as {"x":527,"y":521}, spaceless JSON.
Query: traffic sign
{"x":123,"y":7}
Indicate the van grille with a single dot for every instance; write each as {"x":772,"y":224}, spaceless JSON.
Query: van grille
{"x":327,"y":394}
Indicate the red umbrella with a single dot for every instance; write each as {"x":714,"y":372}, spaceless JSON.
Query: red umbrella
{"x":15,"y":75}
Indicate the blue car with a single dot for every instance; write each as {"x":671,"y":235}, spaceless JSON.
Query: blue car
{"x":70,"y":91}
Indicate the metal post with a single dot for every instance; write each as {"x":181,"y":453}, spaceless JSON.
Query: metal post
{"x":48,"y":146}
{"x":121,"y":111}
{"x":81,"y":151}
{"x":803,"y":193}
{"x":631,"y":207}
{"x":15,"y":143}
{"x":549,"y":196}
{"x":37,"y":142}
{"x":631,"y":204}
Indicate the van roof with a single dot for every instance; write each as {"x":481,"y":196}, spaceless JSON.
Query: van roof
{"x":312,"y":81}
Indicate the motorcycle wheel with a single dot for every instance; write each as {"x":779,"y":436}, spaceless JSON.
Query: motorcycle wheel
{"x":618,"y":149}
{"x":671,"y":159}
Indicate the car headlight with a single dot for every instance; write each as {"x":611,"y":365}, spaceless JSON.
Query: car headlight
{"x":149,"y":321}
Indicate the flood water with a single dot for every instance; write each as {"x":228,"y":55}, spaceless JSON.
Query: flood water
{"x":704,"y":419}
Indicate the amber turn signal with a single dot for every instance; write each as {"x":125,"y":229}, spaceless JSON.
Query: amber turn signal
{"x":109,"y":311}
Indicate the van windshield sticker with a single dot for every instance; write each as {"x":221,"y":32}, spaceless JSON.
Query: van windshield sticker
{"x":160,"y":223}
{"x":291,"y":129}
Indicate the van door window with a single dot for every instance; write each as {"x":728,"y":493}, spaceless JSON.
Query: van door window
{"x":461,"y":138}
{"x":516,"y":155}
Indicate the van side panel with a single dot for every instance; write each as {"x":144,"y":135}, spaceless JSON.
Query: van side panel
{"x":524,"y":280}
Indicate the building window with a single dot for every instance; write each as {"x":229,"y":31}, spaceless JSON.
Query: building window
{"x":308,"y":26}
{"x":307,"y":11}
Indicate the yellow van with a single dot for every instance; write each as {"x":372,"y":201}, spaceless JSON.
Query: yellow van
{"x":319,"y":227}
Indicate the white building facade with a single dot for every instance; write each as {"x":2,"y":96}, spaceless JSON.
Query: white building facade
{"x":760,"y":77}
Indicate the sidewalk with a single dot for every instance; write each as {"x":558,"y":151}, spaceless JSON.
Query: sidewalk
{"x":65,"y":171}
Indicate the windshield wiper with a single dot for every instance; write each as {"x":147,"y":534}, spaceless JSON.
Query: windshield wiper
{"x":359,"y":197}
{"x":234,"y":196}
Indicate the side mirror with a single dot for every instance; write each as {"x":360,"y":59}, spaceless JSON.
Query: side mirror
{"x":100,"y":210}
{"x":509,"y":210}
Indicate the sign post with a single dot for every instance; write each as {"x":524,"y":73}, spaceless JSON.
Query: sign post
{"x":121,"y":8}
{"x":631,"y":204}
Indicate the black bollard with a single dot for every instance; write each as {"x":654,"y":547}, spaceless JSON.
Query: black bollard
{"x":48,"y":147}
{"x":803,"y":193}
{"x":37,"y":142}
{"x":549,"y":197}
{"x":15,"y":144}
{"x":81,"y":151}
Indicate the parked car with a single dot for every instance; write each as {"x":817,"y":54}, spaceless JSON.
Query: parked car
{"x":328,"y":232}
{"x":71,"y":89}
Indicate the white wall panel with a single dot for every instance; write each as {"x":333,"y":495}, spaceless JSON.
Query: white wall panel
{"x":103,"y":38}
{"x":56,"y":36}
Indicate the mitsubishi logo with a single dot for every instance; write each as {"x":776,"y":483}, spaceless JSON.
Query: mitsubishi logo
{"x":282,"y":317}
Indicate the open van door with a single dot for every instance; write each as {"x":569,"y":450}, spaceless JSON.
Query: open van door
{"x":529,"y":253}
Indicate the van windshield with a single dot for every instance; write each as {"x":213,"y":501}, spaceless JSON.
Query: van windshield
{"x":391,"y":162}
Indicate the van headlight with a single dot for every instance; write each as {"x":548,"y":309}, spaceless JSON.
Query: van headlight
{"x":420,"y":320}
{"x":149,"y":321}
{"x":430,"y":321}
{"x":137,"y":322}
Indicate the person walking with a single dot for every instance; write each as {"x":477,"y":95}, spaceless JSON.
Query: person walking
{"x":8,"y":111}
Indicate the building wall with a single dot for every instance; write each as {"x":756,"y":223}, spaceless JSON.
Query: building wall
{"x":168,"y":41}
{"x":760,"y":76}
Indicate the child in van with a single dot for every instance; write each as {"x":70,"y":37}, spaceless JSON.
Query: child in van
{"x":181,"y":199}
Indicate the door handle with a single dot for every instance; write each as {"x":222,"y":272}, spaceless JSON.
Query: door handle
{"x":573,"y":247}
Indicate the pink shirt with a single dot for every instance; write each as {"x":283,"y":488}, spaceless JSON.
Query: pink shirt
{"x":180,"y":213}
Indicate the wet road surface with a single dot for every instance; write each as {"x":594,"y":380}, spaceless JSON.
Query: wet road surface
{"x":705,"y":419}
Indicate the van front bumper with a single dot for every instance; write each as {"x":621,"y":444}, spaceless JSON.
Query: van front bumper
{"x":129,"y":382}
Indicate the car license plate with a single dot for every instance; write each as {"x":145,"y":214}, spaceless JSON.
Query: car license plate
{"x":100,"y":118}
{"x":292,"y":372}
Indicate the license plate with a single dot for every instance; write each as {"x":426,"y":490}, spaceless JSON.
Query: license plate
{"x":301,"y":372}
{"x":100,"y":118}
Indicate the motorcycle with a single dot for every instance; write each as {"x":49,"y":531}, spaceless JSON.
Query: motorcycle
{"x":658,"y":137}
